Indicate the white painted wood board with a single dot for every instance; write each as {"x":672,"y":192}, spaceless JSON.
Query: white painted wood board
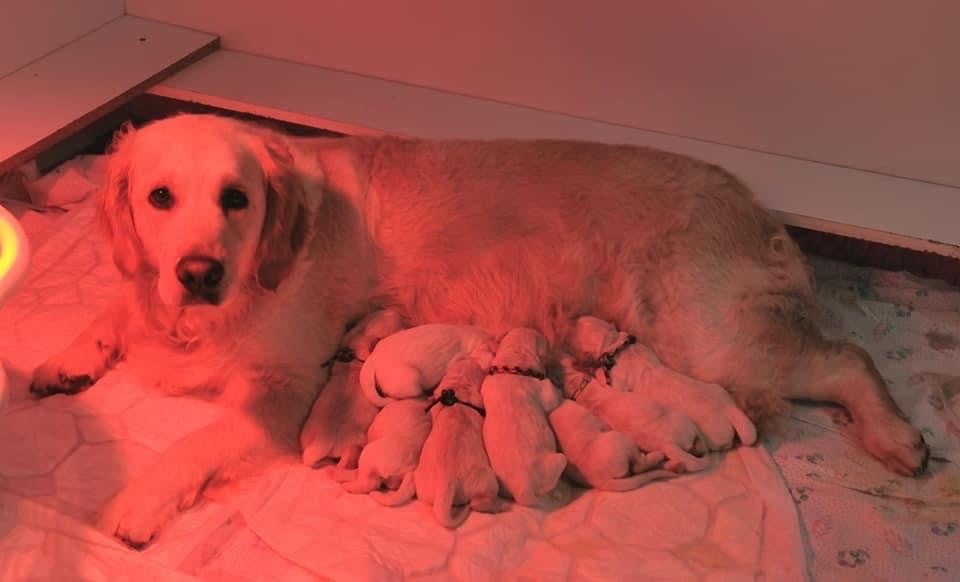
{"x":899,"y":211}
{"x":53,"y":97}
{"x":869,"y":84}
{"x":31,"y":29}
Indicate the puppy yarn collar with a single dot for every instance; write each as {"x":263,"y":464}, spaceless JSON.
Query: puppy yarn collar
{"x":517,"y":371}
{"x":448,"y":397}
{"x":344,"y":355}
{"x":583,"y":386}
{"x":608,"y":360}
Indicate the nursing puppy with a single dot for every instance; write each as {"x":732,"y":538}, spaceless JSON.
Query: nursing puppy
{"x":516,"y":432}
{"x":454,"y":472}
{"x":410,"y":363}
{"x":245,"y":252}
{"x":338,"y":422}
{"x":652,"y":427}
{"x":394,"y":442}
{"x":600,"y":457}
{"x":633,"y":367}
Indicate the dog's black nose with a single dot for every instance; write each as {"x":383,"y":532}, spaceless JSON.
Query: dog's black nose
{"x":199,"y":275}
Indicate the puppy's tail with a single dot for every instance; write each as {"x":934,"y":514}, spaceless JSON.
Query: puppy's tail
{"x":341,"y":475}
{"x":634,"y":481}
{"x":744,"y":427}
{"x":443,"y":510}
{"x":316,"y":451}
{"x":368,"y":384}
{"x":405,"y":492}
{"x":549,"y":468}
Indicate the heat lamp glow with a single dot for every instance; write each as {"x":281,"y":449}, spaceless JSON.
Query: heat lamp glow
{"x":14,"y":257}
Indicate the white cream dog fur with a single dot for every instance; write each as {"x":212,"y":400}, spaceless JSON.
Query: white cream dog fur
{"x":516,"y":432}
{"x":637,"y":369}
{"x":600,"y":457}
{"x":454,"y":472}
{"x":394,"y":442}
{"x":297,"y":236}
{"x":338,"y":422}
{"x":410,"y":363}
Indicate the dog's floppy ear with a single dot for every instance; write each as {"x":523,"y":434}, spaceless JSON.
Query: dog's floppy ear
{"x":116,"y":215}
{"x":286,"y":220}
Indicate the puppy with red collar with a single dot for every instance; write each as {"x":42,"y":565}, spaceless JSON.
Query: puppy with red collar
{"x":410,"y":363}
{"x":338,"y":422}
{"x":630,"y":366}
{"x":517,"y":435}
{"x":454,"y":473}
{"x":394,"y":442}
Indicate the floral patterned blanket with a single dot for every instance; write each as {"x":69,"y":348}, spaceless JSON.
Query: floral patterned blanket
{"x":861,"y":521}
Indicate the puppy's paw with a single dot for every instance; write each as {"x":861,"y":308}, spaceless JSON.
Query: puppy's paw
{"x":896,"y":444}
{"x":140,"y":510}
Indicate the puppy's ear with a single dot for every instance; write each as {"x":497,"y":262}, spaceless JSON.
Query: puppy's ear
{"x":287,"y":219}
{"x":116,"y":215}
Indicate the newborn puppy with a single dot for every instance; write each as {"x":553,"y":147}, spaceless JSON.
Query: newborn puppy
{"x":652,"y":427}
{"x":516,"y":432}
{"x":454,"y":471}
{"x":633,"y":367}
{"x":394,"y":442}
{"x":410,"y":363}
{"x":600,"y":457}
{"x":338,"y":422}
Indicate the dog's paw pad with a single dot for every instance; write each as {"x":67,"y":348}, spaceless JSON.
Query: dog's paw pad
{"x":65,"y":385}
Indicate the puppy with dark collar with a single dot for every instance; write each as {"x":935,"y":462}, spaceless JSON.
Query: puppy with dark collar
{"x":454,"y":473}
{"x":628,"y":365}
{"x":338,"y":422}
{"x":518,"y":397}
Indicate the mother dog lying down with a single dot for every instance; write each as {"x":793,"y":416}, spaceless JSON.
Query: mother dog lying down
{"x":246,"y":253}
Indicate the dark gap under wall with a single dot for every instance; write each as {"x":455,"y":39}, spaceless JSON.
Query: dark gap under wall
{"x":865,"y":253}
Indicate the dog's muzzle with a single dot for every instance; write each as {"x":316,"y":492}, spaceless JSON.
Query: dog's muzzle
{"x":200,"y":276}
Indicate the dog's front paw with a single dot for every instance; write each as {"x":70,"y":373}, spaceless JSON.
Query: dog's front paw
{"x":55,"y":378}
{"x":76,"y":368}
{"x":140,"y":510}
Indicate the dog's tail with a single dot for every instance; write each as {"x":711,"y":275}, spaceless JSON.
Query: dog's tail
{"x":405,"y":492}
{"x":633,"y":481}
{"x":443,"y":510}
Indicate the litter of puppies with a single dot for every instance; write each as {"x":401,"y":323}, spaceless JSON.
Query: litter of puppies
{"x":463,"y":421}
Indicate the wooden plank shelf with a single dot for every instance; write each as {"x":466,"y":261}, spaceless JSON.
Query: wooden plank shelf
{"x":50,"y":99}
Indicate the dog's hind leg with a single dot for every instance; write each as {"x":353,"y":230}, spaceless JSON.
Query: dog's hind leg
{"x":769,"y":349}
{"x":844,"y":373}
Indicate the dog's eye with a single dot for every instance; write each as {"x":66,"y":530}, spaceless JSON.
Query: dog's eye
{"x":233,"y":199}
{"x":160,"y":198}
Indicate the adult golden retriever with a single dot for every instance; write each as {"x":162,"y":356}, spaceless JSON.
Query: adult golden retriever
{"x":246,"y":253}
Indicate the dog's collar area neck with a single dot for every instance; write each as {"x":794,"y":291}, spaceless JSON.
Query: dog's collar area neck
{"x":608,"y":359}
{"x":516,"y":371}
{"x":344,"y":355}
{"x":448,"y":397}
